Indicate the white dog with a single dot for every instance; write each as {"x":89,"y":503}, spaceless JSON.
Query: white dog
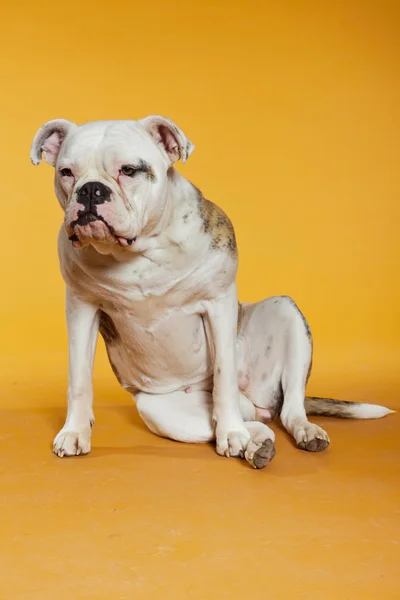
{"x":151,"y":264}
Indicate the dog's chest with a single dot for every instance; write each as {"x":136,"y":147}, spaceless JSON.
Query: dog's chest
{"x":155,"y":347}
{"x":151,"y":321}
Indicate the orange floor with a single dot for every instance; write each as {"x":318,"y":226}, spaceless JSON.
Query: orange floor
{"x":143,"y":517}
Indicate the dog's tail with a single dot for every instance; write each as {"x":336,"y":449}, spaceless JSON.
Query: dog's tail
{"x":345,"y":410}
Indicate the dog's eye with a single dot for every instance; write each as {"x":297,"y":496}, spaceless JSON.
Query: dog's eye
{"x":128,"y":171}
{"x":65,"y":172}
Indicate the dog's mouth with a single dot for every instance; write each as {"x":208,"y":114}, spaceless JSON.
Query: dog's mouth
{"x":87,"y":217}
{"x":89,"y":225}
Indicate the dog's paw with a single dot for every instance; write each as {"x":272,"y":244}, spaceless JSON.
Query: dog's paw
{"x":312,"y":438}
{"x":260,"y":449}
{"x":260,"y":455}
{"x":72,"y":443}
{"x":231,"y":441}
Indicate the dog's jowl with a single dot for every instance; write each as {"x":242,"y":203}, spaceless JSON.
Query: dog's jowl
{"x":151,"y":264}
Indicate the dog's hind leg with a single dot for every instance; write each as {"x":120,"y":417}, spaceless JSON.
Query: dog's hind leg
{"x":180,"y":416}
{"x":187,"y":417}
{"x":275,"y":353}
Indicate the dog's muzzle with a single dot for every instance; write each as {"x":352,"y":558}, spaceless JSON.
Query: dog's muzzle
{"x":90,"y":196}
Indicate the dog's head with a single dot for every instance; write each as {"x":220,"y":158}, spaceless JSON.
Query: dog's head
{"x":111,"y":176}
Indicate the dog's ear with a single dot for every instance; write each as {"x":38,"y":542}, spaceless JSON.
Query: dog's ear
{"x":48,"y":140}
{"x":169,"y":137}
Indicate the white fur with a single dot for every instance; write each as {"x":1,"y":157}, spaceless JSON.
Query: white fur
{"x":82,"y":323}
{"x":171,"y":297}
{"x":370,"y":411}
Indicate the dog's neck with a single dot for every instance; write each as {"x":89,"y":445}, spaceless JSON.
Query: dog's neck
{"x":160,"y":232}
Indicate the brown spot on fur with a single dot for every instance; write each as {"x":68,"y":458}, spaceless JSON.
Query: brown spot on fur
{"x":217,"y":225}
{"x":145,"y":168}
{"x":276,"y":400}
{"x":269,"y":341}
{"x":108,"y":329}
{"x":328,"y":407}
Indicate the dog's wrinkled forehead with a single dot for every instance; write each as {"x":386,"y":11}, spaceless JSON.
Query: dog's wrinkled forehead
{"x":107,"y":145}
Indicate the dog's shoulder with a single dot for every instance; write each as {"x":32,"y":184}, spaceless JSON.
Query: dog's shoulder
{"x":216,"y":225}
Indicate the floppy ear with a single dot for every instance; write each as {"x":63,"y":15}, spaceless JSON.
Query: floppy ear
{"x":48,"y":140}
{"x":168,"y":135}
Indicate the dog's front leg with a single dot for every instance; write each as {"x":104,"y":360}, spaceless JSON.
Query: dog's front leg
{"x":231,"y":434}
{"x":83,"y":325}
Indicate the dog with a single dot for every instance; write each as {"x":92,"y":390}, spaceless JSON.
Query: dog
{"x":151,"y":264}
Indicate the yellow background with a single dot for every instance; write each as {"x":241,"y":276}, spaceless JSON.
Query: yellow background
{"x":294,"y":108}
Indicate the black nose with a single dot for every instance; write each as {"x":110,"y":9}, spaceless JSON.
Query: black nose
{"x":93,"y":193}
